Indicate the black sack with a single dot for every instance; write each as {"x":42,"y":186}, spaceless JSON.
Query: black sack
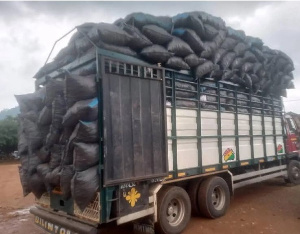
{"x":24,"y":181}
{"x":157,"y":35}
{"x":177,"y":63}
{"x":189,"y":20}
{"x":45,"y":117}
{"x":52,"y":137}
{"x":191,"y":37}
{"x":58,"y":111}
{"x":210,"y":32}
{"x":85,"y":156}
{"x":139,"y":19}
{"x":229,"y":43}
{"x":31,"y":101}
{"x":227,"y":60}
{"x":209,"y":49}
{"x":66,"y":175}
{"x":240,"y":49}
{"x":156,"y":54}
{"x":37,"y":185}
{"x":219,"y":39}
{"x":219,"y":55}
{"x":53,"y":177}
{"x":53,"y":88}
{"x":56,"y":156}
{"x":44,"y":154}
{"x":179,"y":48}
{"x":204,"y":69}
{"x":193,"y":60}
{"x":112,"y":34}
{"x":79,"y":88}
{"x":86,"y":110}
{"x":84,"y":186}
{"x":237,"y":63}
{"x":42,"y":171}
{"x":86,"y":132}
{"x":138,"y":41}
{"x":34,"y":137}
{"x":119,"y":49}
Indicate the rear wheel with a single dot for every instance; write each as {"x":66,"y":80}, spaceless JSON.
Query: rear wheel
{"x":213,"y":197}
{"x":294,"y":172}
{"x":174,"y":210}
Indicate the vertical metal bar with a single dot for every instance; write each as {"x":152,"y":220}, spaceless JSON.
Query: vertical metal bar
{"x":237,"y":140}
{"x":274,"y":129}
{"x":100,"y":71}
{"x":251,"y":127}
{"x":174,"y":127}
{"x":219,"y":121}
{"x":264,"y":131}
{"x":283,"y":127}
{"x":199,"y":140}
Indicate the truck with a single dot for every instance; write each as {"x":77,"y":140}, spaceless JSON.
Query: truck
{"x":163,"y":157}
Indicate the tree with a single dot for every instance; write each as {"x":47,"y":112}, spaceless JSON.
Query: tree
{"x":8,"y":135}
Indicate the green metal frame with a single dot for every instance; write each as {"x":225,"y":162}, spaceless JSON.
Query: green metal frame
{"x":218,"y":86}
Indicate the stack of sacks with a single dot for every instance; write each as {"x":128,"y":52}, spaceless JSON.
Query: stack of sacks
{"x":30,"y":143}
{"x":79,"y":175}
{"x":58,"y":138}
{"x":197,"y":41}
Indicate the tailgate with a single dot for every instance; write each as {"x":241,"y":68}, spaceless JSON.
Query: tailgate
{"x":56,"y":223}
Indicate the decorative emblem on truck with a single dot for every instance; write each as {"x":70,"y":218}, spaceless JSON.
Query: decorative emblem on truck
{"x":132,"y":196}
{"x":228,"y":155}
{"x":279,"y":149}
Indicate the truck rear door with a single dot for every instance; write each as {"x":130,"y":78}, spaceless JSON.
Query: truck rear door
{"x":134,"y":125}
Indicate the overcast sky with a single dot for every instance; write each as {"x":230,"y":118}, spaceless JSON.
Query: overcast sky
{"x":29,"y":29}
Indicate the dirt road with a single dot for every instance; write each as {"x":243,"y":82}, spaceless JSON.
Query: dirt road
{"x":269,"y":207}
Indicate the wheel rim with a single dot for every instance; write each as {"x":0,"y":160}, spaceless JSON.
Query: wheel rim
{"x":175,"y":211}
{"x":295,"y":172}
{"x":218,"y":197}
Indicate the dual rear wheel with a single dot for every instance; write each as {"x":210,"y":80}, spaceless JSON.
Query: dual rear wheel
{"x":210,"y":198}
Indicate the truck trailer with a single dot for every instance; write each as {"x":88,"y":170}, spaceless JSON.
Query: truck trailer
{"x":162,"y":160}
{"x":170,"y":145}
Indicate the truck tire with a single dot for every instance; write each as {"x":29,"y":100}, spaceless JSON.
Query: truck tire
{"x":294,"y":172}
{"x":174,"y":210}
{"x":213,"y":197}
{"x":192,"y":190}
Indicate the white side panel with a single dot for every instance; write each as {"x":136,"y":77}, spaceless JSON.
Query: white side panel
{"x":258,"y":147}
{"x":268,"y":125}
{"x":257,"y":125}
{"x":169,"y":121}
{"x":187,"y":153}
{"x":209,"y":124}
{"x":245,"y":148}
{"x":244,"y":127}
{"x":270,"y":146}
{"x":228,"y":126}
{"x":210,"y":152}
{"x":170,"y":155}
{"x":186,"y":122}
{"x":228,"y":149}
{"x":278,"y":126}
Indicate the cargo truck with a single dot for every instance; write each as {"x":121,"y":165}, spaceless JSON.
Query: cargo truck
{"x":163,"y":157}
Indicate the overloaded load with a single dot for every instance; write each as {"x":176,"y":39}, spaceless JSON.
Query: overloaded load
{"x":194,"y":41}
{"x":58,"y":139}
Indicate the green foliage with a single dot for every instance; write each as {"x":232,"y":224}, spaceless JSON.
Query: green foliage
{"x":8,"y":135}
{"x":9,"y":112}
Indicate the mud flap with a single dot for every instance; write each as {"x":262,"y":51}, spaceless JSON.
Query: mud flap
{"x":144,"y":226}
